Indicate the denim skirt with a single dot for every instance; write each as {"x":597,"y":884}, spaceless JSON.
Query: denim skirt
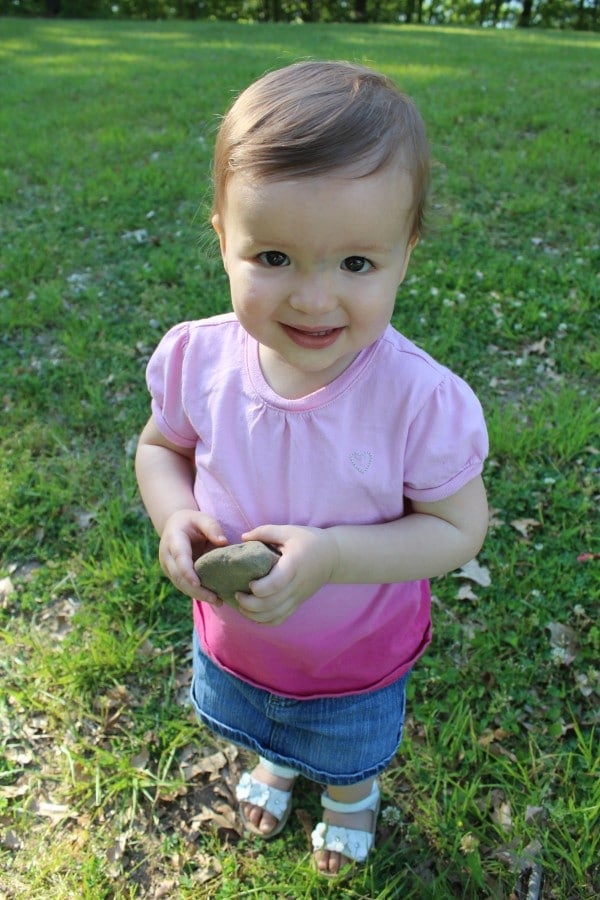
{"x":332,"y":740}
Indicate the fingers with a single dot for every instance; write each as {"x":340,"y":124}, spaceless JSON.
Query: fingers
{"x":270,"y":534}
{"x":210,"y":529}
{"x":185,"y":533}
{"x":178,"y":567}
{"x":255,"y":610}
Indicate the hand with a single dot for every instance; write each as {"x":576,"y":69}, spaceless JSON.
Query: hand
{"x":187,"y":535}
{"x":308,"y":558}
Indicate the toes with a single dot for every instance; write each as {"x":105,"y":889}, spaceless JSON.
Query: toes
{"x":259,"y":818}
{"x":330,"y":862}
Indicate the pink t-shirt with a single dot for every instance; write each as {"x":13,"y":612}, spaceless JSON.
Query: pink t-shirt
{"x":394,"y":425}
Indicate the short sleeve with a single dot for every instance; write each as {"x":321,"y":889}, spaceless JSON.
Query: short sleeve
{"x":165,"y":377}
{"x":447,"y":442}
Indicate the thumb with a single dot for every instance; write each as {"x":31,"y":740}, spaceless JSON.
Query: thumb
{"x":269,"y":534}
{"x":209,"y":528}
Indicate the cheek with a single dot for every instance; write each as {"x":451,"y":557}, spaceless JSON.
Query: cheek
{"x":249,"y":297}
{"x":375,"y":307}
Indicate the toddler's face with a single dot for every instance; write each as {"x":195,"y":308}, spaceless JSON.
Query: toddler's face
{"x":314,"y":265}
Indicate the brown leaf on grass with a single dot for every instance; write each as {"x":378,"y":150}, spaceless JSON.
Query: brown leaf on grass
{"x":489,"y":736}
{"x":538,"y":347}
{"x":7,"y":588}
{"x":140,"y":760}
{"x":85,"y":518}
{"x":115,"y":853}
{"x":502,"y":815}
{"x":164,"y":890}
{"x":117,"y":696}
{"x":58,"y":617}
{"x":207,"y":765}
{"x":10,"y":841}
{"x":492,"y":741}
{"x":525,"y":526}
{"x":494,"y":521}
{"x":219,"y":815}
{"x":473,"y":571}
{"x":36,"y":728}
{"x":466,"y":592}
{"x":22,"y":756}
{"x":534,"y":813}
{"x":10,"y":791}
{"x":56,"y":812}
{"x":114,"y":706}
{"x":208,"y":867}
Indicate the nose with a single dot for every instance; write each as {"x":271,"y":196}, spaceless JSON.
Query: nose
{"x":313,"y":294}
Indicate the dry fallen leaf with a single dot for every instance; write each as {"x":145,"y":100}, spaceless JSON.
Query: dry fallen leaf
{"x":502,"y":816}
{"x":115,"y":854}
{"x":532,"y":813}
{"x":473,"y":571}
{"x":208,"y":868}
{"x":494,"y":521}
{"x":10,"y":791}
{"x":6,"y":588}
{"x":466,"y":592}
{"x":19,"y":755}
{"x":56,"y":812}
{"x":537,"y":347}
{"x":140,"y":760}
{"x":525,"y":526}
{"x":207,"y":765}
{"x":10,"y":841}
{"x":488,"y":736}
{"x":164,"y":889}
{"x":220,"y":816}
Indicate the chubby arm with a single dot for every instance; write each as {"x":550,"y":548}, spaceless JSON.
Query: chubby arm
{"x":431,"y":540}
{"x":165,"y":474}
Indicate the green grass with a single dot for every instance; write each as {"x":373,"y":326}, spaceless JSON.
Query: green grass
{"x":107,"y":133}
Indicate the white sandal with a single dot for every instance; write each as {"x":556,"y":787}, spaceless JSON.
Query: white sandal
{"x":352,"y":843}
{"x":273,"y":800}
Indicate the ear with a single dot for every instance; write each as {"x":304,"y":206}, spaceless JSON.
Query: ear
{"x":217,"y":224}
{"x":414,"y":240}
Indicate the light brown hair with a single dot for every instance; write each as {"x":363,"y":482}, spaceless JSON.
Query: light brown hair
{"x":311,"y":118}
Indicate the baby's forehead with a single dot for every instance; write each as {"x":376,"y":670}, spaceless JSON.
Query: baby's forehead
{"x":396,"y":174}
{"x":376,"y":207}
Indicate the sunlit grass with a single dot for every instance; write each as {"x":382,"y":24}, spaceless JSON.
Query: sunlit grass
{"x":104,"y":183}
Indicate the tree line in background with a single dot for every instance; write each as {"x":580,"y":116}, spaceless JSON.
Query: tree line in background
{"x":573,"y":14}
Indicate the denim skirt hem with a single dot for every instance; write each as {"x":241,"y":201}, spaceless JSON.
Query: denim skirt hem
{"x":331,"y":740}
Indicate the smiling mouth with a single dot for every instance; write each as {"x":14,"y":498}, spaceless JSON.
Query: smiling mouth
{"x":312,"y":338}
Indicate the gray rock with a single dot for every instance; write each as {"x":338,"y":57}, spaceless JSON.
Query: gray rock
{"x":227,"y":570}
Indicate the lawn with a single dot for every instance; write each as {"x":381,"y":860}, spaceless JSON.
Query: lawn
{"x":108,"y":788}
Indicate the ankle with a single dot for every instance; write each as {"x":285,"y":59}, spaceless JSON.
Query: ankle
{"x":277,"y":769}
{"x":358,"y":796}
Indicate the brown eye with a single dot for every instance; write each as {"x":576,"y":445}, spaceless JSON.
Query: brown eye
{"x":274,"y":258}
{"x":357,"y":264}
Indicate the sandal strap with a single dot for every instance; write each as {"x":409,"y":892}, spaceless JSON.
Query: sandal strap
{"x":271,"y":799}
{"x":350,"y":842}
{"x":371,"y":801}
{"x":354,"y":843}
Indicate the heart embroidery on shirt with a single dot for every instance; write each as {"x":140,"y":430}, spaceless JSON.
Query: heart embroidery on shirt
{"x":361,"y":460}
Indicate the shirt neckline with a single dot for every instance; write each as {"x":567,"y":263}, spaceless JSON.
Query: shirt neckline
{"x":314,"y":400}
